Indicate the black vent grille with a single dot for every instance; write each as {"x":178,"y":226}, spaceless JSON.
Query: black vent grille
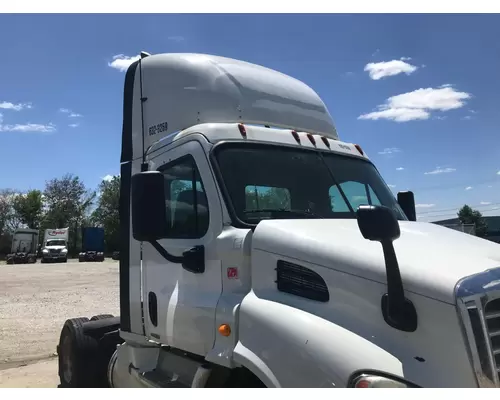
{"x":301,"y":281}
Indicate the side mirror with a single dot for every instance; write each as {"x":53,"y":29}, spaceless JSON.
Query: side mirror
{"x":378,"y":223}
{"x":406,"y":201}
{"x":149,"y":215}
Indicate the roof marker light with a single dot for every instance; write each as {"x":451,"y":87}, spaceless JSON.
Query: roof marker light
{"x":296,"y":136}
{"x":242,"y":129}
{"x":325,"y":141}
{"x":311,"y":139}
{"x":358,"y":147}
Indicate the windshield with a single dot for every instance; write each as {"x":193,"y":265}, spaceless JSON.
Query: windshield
{"x":270,"y":182}
{"x":56,"y":242}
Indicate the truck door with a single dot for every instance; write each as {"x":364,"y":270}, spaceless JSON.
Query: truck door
{"x":179,"y":305}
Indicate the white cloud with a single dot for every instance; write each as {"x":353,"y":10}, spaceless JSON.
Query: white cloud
{"x":485,"y":203}
{"x":390,"y":150}
{"x":418,"y":104}
{"x":176,"y":38}
{"x":399,"y":169}
{"x":498,"y":173}
{"x":392,"y":186}
{"x":28,"y":128}
{"x":16,"y":107}
{"x":467,"y":117}
{"x":64,"y":110}
{"x":473,"y":111}
{"x":490,"y":186}
{"x":441,"y":118}
{"x":397,"y":114}
{"x":468,"y":188}
{"x":384,"y":69}
{"x":107,"y":178}
{"x":424,"y":205}
{"x":74,"y":125}
{"x":122,"y":62}
{"x":75,"y":115}
{"x":440,"y":170}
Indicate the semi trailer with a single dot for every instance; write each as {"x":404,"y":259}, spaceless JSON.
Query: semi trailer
{"x":24,"y":247}
{"x":92,"y":244}
{"x":55,"y":245}
{"x":258,"y":249}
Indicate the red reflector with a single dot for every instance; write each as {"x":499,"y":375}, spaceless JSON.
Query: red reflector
{"x":296,"y":136}
{"x":358,"y":147}
{"x":325,"y":141}
{"x":311,"y":138}
{"x":242,"y":129}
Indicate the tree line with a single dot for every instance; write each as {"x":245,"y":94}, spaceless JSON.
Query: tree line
{"x":64,"y":202}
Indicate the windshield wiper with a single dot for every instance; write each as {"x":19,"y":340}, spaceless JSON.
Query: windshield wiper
{"x":284,"y":211}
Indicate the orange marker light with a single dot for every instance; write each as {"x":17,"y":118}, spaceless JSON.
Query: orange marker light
{"x":358,"y":147}
{"x":225,"y":330}
{"x":242,"y":129}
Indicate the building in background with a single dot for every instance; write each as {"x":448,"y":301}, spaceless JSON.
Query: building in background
{"x":492,"y":234}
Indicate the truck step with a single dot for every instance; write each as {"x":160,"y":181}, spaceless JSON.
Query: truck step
{"x":155,"y":379}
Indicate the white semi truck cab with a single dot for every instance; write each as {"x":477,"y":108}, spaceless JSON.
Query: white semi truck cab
{"x":55,"y":245}
{"x":260,"y":250}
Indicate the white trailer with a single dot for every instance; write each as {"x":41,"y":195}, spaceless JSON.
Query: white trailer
{"x":55,"y":245}
{"x":24,"y":247}
{"x":249,"y":254}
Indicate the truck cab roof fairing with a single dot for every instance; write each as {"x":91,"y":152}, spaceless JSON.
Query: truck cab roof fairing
{"x":182,"y":90}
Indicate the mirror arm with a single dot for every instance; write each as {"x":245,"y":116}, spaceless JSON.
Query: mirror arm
{"x":398,"y":311}
{"x":394,"y":282}
{"x":192,"y":260}
{"x":165,"y":254}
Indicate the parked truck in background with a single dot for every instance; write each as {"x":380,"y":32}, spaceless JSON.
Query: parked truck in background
{"x":259,"y":250}
{"x":55,"y":245}
{"x":24,"y":247}
{"x":92,"y":244}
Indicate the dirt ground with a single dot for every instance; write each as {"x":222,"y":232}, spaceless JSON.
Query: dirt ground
{"x":35,"y":300}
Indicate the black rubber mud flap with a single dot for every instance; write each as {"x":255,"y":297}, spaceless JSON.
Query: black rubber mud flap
{"x":76,"y":352}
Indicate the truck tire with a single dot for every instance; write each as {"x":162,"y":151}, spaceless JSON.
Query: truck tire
{"x":101,"y":316}
{"x":76,"y":353}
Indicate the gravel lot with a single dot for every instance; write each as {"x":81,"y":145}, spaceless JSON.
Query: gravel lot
{"x":35,"y":300}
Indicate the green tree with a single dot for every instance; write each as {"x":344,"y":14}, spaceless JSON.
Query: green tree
{"x":106,"y":214}
{"x":29,"y":208}
{"x":467,"y":215}
{"x":68,"y":201}
{"x":8,"y":218}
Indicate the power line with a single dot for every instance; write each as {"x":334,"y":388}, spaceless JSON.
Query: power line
{"x":456,"y":208}
{"x":453,"y":186}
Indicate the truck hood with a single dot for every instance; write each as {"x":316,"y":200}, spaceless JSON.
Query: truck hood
{"x":432,"y":258}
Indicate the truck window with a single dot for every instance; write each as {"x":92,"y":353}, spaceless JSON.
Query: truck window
{"x":266,"y":197}
{"x":187,"y":205}
{"x":305,"y":183}
{"x":357,"y":193}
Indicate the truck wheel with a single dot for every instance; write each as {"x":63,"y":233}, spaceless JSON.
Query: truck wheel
{"x":76,"y":353}
{"x":101,"y":316}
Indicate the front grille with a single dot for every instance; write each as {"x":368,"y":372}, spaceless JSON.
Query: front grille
{"x":478,"y":302}
{"x":54,"y":251}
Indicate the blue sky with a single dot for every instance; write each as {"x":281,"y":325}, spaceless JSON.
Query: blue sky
{"x":416,"y":92}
